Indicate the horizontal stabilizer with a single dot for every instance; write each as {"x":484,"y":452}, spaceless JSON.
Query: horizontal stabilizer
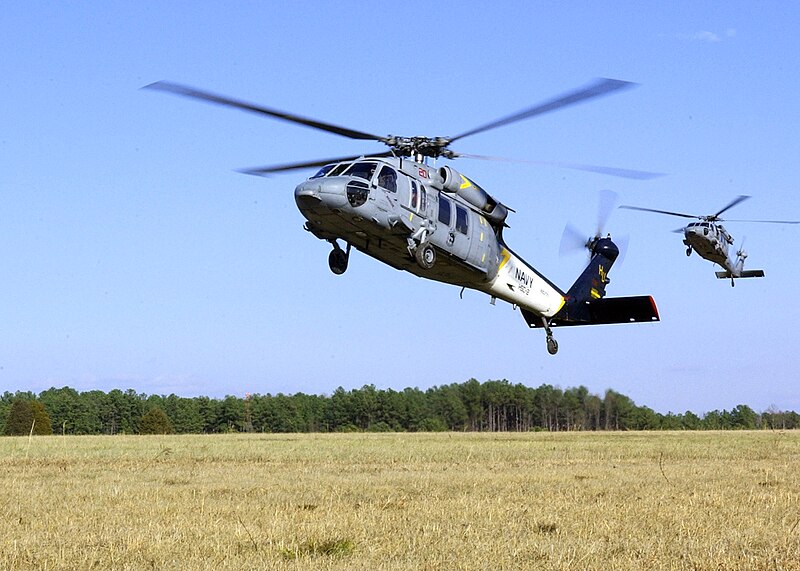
{"x":743,"y":274}
{"x":607,"y":310}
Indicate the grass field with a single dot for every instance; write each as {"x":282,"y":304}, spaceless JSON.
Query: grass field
{"x":674,"y":500}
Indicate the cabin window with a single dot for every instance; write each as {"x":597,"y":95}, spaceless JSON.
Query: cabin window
{"x":461,"y":219}
{"x":413,"y":199}
{"x":388,"y":179}
{"x":423,"y":199}
{"x":444,"y":211}
{"x":362,"y":170}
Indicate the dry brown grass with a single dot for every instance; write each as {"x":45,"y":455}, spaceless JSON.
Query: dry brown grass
{"x":402,"y":501}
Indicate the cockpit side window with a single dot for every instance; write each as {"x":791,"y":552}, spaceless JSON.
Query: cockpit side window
{"x":362,"y":170}
{"x":388,"y":179}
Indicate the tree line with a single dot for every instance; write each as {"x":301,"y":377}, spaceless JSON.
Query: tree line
{"x":495,"y":406}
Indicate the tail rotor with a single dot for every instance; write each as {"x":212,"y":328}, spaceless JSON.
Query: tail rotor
{"x":573,"y":239}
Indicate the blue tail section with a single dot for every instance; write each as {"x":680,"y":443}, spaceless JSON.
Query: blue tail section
{"x":585,"y":302}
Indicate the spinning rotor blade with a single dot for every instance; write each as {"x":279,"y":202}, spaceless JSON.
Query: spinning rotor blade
{"x":611,"y":171}
{"x":418,"y":146}
{"x":765,"y":221}
{"x":228,"y":102}
{"x":659,"y":211}
{"x":733,"y":203}
{"x":572,"y":240}
{"x":600,"y":87}
{"x":607,"y":200}
{"x":264,"y":171}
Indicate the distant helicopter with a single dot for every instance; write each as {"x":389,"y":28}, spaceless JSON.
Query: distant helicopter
{"x":711,"y":240}
{"x":438,"y":224}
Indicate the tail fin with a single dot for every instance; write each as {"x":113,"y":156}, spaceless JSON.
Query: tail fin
{"x":584,"y":303}
{"x":738,"y":268}
{"x":591,"y":284}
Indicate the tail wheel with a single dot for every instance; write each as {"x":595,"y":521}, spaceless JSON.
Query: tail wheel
{"x":552,"y":346}
{"x":425,"y":256}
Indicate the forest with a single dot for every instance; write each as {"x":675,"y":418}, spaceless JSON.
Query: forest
{"x":494,"y":405}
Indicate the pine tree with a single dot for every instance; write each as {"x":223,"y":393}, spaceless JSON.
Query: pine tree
{"x":155,"y":421}
{"x":27,"y":414}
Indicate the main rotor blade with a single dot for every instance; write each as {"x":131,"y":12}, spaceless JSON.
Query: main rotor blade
{"x":600,"y":87}
{"x":659,"y":211}
{"x":733,"y":203}
{"x":611,"y":171}
{"x":263,"y":171}
{"x":608,"y":199}
{"x":228,"y":102}
{"x":764,"y":221}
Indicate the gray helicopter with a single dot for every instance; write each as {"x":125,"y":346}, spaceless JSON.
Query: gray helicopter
{"x":711,"y":240}
{"x":438,"y":224}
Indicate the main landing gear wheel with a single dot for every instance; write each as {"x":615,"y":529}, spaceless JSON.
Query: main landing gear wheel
{"x":338,"y":259}
{"x":425,"y":256}
{"x":689,"y":251}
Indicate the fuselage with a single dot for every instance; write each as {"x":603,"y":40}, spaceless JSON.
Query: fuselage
{"x":386,"y":207}
{"x":711,"y":241}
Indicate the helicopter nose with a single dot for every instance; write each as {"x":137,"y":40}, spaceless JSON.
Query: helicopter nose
{"x":316,"y":194}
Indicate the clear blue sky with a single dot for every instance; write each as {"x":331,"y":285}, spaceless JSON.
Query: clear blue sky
{"x":134,"y":256}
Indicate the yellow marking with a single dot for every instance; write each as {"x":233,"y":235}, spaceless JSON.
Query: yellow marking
{"x":483,"y":258}
{"x":466,"y":183}
{"x":481,"y":236}
{"x":595,"y":293}
{"x":410,"y":217}
{"x":602,"y":272}
{"x":506,"y":255}
{"x":560,"y":305}
{"x":483,"y":221}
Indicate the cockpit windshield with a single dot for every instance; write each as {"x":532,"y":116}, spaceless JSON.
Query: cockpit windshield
{"x":322,"y":172}
{"x":331,"y":170}
{"x":362,"y":170}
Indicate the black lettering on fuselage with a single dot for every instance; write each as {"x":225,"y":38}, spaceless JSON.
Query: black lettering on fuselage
{"x":523,"y":278}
